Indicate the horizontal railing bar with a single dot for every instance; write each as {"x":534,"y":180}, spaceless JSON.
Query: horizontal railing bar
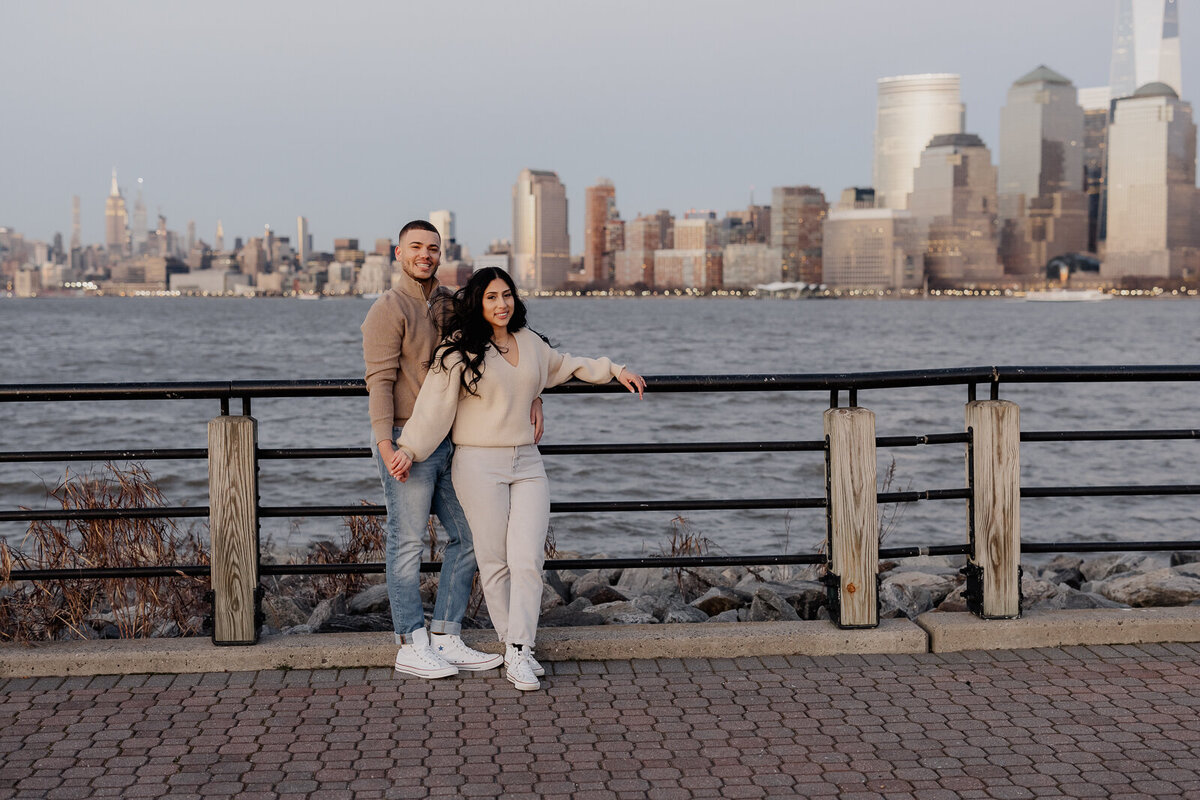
{"x":929,"y":438}
{"x":181,"y":453}
{"x":934,"y":550}
{"x":1110,"y":436}
{"x":107,"y":573}
{"x":1106,"y":547}
{"x":313,"y":452}
{"x":568,"y":508}
{"x":163,"y":512}
{"x":1119,"y":490}
{"x":679,"y":447}
{"x":817,"y":382}
{"x":927,"y":494}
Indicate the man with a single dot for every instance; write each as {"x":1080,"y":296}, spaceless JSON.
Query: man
{"x":399,"y":336}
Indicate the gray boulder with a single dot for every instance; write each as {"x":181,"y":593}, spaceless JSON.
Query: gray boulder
{"x":575,"y":613}
{"x":725,"y":616}
{"x":684,"y":613}
{"x":550,"y":598}
{"x":769,"y":606}
{"x":1064,"y":570}
{"x":635,"y":582}
{"x":356,"y":623}
{"x":955,"y":601}
{"x":1185,"y":557}
{"x":915,"y":592}
{"x":329,"y":607}
{"x":719,"y":599}
{"x":552,"y":579}
{"x":601,"y":593}
{"x":281,"y":612}
{"x":1162,"y":587}
{"x":372,"y":600}
{"x":1073,"y":599}
{"x":623,"y":612}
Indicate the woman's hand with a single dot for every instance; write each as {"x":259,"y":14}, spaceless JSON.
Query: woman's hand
{"x":537,"y":420}
{"x":632,"y":381}
{"x":398,"y":462}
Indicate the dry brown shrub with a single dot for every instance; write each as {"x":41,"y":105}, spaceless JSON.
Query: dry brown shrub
{"x":72,"y":608}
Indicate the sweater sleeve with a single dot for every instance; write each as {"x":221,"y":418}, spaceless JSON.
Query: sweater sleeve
{"x":383,"y":340}
{"x":434,"y":412}
{"x":564,"y":366}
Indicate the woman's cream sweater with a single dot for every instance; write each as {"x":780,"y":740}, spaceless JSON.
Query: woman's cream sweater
{"x":498,"y":414}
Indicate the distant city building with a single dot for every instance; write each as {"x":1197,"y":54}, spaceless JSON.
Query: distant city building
{"x":600,"y":209}
{"x":749,"y":226}
{"x":1145,"y":46}
{"x":695,"y":262}
{"x":541,"y":243}
{"x":191,"y":235}
{"x":634,"y":263}
{"x":347,"y":251}
{"x":797,"y":216}
{"x":954,"y":203}
{"x":1152,"y":201}
{"x":384,"y":247}
{"x":872,"y":248}
{"x":1096,"y":102}
{"x":251,"y":258}
{"x":140,"y":235}
{"x":444,"y":222}
{"x":745,"y":266}
{"x":76,"y":236}
{"x":857,"y":197}
{"x":116,"y":220}
{"x":376,"y":274}
{"x":219,"y":241}
{"x":912,"y":109}
{"x":303,"y":240}
{"x":1043,"y":208}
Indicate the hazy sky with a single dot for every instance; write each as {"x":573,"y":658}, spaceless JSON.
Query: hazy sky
{"x":362,"y":115}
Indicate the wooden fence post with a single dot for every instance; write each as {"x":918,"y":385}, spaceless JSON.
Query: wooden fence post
{"x":994,"y":566}
{"x":853,"y":516}
{"x":233,"y":528}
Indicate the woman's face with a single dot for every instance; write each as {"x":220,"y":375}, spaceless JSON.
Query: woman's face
{"x":498,"y":304}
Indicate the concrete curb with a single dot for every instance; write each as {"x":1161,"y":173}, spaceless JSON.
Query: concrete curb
{"x":954,"y":631}
{"x":346,"y":650}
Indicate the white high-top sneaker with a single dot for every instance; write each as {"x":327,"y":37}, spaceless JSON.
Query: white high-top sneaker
{"x":537,"y":668}
{"x":453,"y":650}
{"x":518,"y":670}
{"x":420,"y":660}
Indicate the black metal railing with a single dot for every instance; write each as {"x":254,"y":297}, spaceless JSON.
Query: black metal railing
{"x":228,"y":393}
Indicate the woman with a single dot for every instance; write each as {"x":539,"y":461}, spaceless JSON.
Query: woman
{"x":481,"y":383}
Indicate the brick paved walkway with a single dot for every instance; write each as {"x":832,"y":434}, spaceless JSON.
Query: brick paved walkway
{"x":1075,"y":722}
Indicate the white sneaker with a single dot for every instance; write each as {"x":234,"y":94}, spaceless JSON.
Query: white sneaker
{"x":451,"y":649}
{"x":537,"y":668}
{"x":518,"y":670}
{"x":420,"y":660}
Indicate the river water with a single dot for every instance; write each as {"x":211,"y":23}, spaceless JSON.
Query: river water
{"x":59,"y":340}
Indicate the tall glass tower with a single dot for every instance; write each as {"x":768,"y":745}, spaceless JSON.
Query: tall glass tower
{"x":541,"y":243}
{"x":912,"y":109}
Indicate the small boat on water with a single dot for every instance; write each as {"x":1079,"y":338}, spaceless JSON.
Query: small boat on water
{"x":1068,"y":295}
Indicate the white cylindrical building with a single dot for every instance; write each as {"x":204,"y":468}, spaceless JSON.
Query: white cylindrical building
{"x":912,"y":109}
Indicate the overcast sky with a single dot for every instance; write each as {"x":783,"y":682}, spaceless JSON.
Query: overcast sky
{"x":362,"y":115}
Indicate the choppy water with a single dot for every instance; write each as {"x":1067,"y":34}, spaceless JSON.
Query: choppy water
{"x":114,"y":339}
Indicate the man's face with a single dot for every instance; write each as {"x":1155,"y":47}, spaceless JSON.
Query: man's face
{"x":419,"y":254}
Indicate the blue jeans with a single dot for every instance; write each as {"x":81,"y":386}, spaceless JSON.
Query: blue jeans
{"x":427,"y":490}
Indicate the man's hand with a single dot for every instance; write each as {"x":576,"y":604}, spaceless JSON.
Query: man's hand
{"x":537,"y":420}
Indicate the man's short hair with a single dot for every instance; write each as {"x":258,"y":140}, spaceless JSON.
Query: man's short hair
{"x":418,"y":225}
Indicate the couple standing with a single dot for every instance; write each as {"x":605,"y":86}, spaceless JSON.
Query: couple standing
{"x":464,"y":365}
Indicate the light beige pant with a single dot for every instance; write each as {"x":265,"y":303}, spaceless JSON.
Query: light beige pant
{"x":505,"y":495}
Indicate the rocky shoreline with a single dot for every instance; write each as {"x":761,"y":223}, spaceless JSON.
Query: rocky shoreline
{"x":907,"y":588}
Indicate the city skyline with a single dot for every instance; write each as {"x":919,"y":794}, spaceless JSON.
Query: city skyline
{"x":786,"y":94}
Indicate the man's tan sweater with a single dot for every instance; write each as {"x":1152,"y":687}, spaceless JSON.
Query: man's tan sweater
{"x":399,"y":336}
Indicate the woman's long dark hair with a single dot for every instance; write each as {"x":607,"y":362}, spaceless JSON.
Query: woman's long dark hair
{"x":467,"y":333}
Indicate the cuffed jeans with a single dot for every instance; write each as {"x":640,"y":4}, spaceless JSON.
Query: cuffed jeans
{"x":507,"y":501}
{"x":409,"y":504}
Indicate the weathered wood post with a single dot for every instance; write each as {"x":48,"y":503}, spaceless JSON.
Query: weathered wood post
{"x":994,"y":512}
{"x":233,"y":527}
{"x":853,"y":517}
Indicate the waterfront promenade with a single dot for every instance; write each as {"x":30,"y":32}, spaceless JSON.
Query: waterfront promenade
{"x":1097,"y":721}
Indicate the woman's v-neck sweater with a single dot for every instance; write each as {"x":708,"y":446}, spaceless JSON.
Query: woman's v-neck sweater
{"x":497,"y":415}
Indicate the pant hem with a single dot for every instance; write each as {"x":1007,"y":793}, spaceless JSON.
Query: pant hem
{"x":444,"y":628}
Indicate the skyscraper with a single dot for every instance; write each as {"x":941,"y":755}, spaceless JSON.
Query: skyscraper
{"x":600,"y":206}
{"x":444,"y":222}
{"x":219,"y":242}
{"x":1095,"y":102}
{"x":302,"y":240}
{"x":191,"y":235}
{"x":797,"y":217}
{"x":76,"y":236}
{"x":1145,"y":46}
{"x":1043,"y":209}
{"x":1152,"y":195}
{"x":116,"y":220}
{"x":912,"y":109}
{"x":954,"y":203}
{"x":140,"y":234}
{"x":541,"y":243}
